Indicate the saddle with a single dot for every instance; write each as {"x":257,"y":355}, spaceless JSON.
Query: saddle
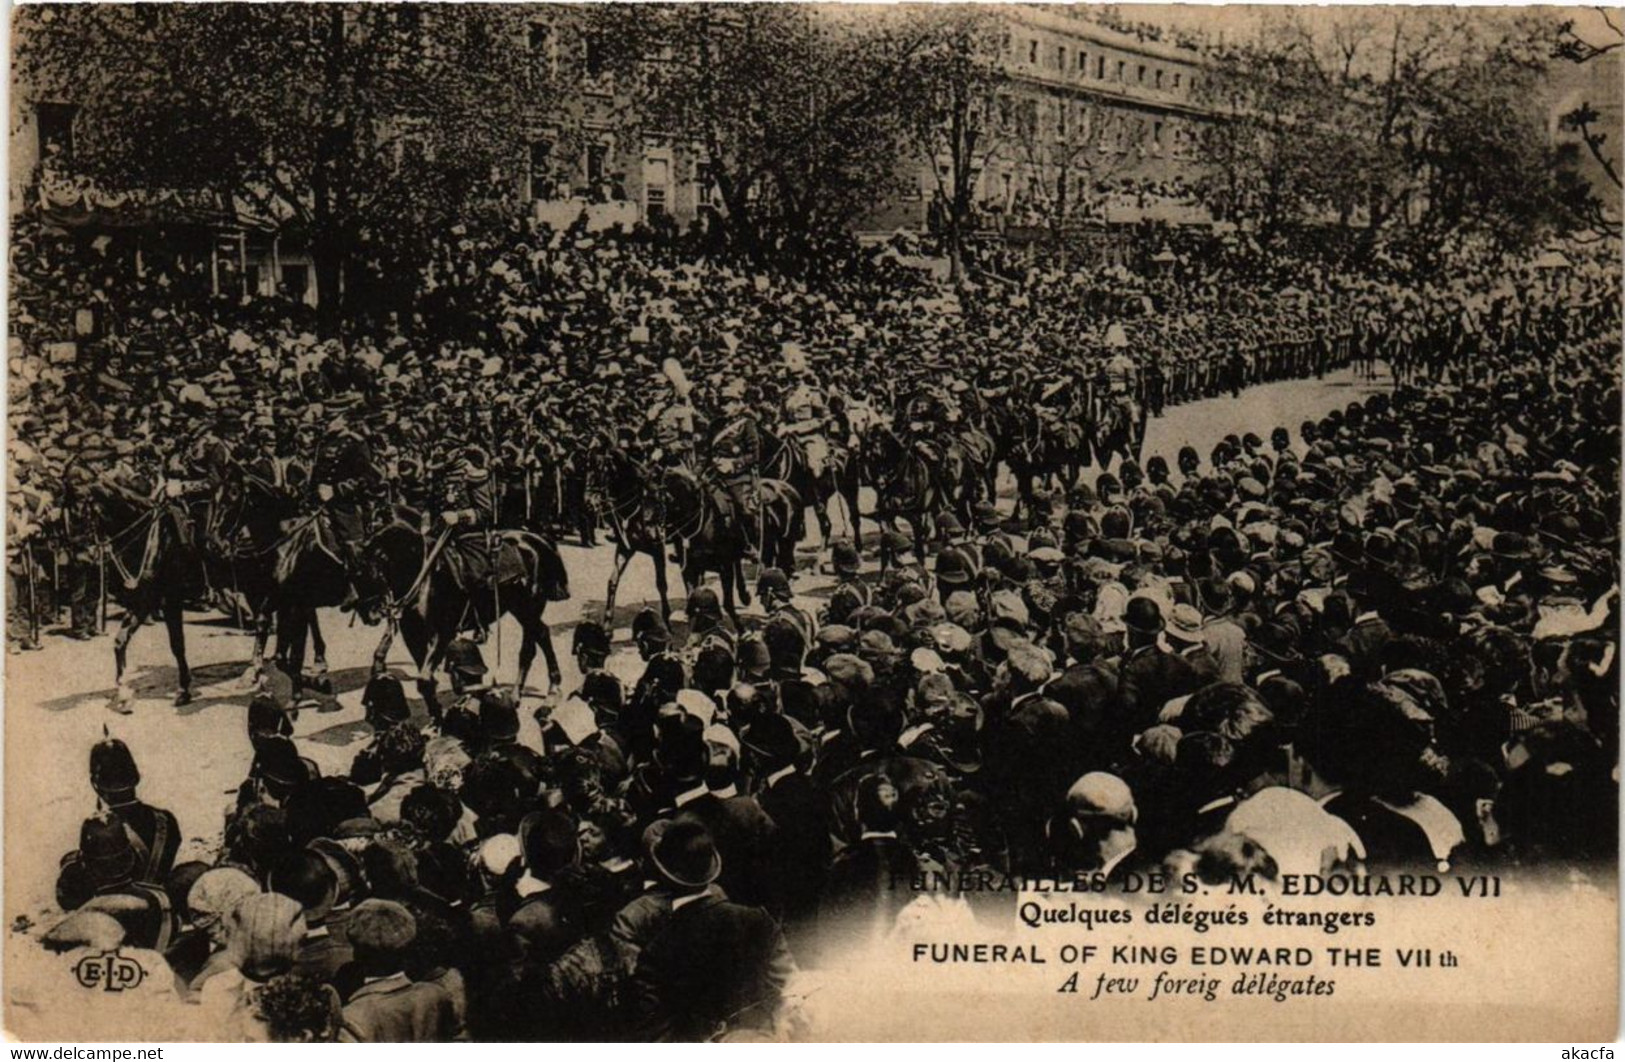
{"x":476,"y":560}
{"x":301,"y":536}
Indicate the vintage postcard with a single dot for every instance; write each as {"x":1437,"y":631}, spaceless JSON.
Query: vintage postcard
{"x":812,"y":522}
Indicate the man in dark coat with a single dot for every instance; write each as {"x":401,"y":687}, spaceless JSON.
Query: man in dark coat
{"x":715,"y":967}
{"x":738,"y":826}
{"x":871,"y":881}
{"x":1151,"y":676}
{"x":801,"y":842}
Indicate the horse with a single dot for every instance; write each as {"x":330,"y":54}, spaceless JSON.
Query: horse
{"x":907,"y":486}
{"x":787,"y":458}
{"x":434,"y":590}
{"x":617,"y":486}
{"x":712,"y":538}
{"x":979,"y":455}
{"x":311,"y":572}
{"x":1056,"y":447}
{"x":1119,"y":429}
{"x":151,"y":544}
{"x":243,"y":535}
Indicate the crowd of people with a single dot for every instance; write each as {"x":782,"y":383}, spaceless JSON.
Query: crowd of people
{"x":1382,"y":639}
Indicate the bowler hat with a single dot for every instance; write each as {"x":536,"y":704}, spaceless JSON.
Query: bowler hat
{"x":773,"y":738}
{"x":1143,"y":614}
{"x":686,"y":855}
{"x":549,"y":841}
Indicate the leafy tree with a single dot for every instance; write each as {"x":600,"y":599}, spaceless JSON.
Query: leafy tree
{"x":952,"y":112}
{"x":360,"y":128}
{"x":1580,"y":44}
{"x":1407,"y":125}
{"x":793,"y":107}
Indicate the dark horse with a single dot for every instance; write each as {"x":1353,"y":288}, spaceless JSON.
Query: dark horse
{"x":1054,"y":447}
{"x":907,"y":486}
{"x":152,"y":547}
{"x":712,"y":538}
{"x":786,"y":458}
{"x":617,"y":487}
{"x":436,"y":589}
{"x":245,"y":535}
{"x":1119,"y":429}
{"x":310,"y":572}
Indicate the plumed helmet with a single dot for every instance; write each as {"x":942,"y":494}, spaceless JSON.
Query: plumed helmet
{"x":112,"y":767}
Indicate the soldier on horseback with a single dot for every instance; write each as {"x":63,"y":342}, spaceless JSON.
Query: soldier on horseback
{"x":470,"y":494}
{"x":922,"y":421}
{"x":674,"y":419}
{"x":735,"y":450}
{"x":344,"y":478}
{"x":806,"y":417}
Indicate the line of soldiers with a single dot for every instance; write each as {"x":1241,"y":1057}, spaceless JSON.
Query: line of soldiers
{"x":158,"y":381}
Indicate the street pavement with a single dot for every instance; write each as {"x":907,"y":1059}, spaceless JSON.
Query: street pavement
{"x":192,"y":758}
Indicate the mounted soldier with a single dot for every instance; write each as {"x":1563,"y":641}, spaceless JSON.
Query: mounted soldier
{"x":735,"y":450}
{"x":674,"y":419}
{"x":344,"y":478}
{"x":806,"y":416}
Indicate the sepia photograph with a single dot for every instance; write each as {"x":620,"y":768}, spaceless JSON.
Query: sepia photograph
{"x":805,"y":522}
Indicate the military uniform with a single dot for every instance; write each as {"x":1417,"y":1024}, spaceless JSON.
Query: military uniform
{"x":345,"y":478}
{"x":735,"y":450}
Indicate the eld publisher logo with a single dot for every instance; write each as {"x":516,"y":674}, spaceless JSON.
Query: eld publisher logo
{"x":109,"y":971}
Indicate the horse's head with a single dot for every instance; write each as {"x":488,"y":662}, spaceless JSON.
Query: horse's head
{"x":386,"y":566}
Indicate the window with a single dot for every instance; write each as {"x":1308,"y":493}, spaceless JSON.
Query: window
{"x":55,"y":123}
{"x":1121,"y":67}
{"x":1060,"y":119}
{"x":1156,"y":134}
{"x":595,"y":57}
{"x":539,"y":172}
{"x":1032,"y":53}
{"x":1159,"y":79}
{"x":1100,"y":69}
{"x":656,"y":176}
{"x":540,"y":39}
{"x":1060,"y":59}
{"x":1083,"y":63}
{"x":1142,"y":74}
{"x":295,"y":281}
{"x":597,"y":155}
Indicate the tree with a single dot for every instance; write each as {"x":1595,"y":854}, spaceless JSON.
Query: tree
{"x":1403,"y":124}
{"x":360,"y":128}
{"x":793,"y":107}
{"x":1064,"y":153}
{"x":952,"y":111}
{"x":1580,"y":44}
